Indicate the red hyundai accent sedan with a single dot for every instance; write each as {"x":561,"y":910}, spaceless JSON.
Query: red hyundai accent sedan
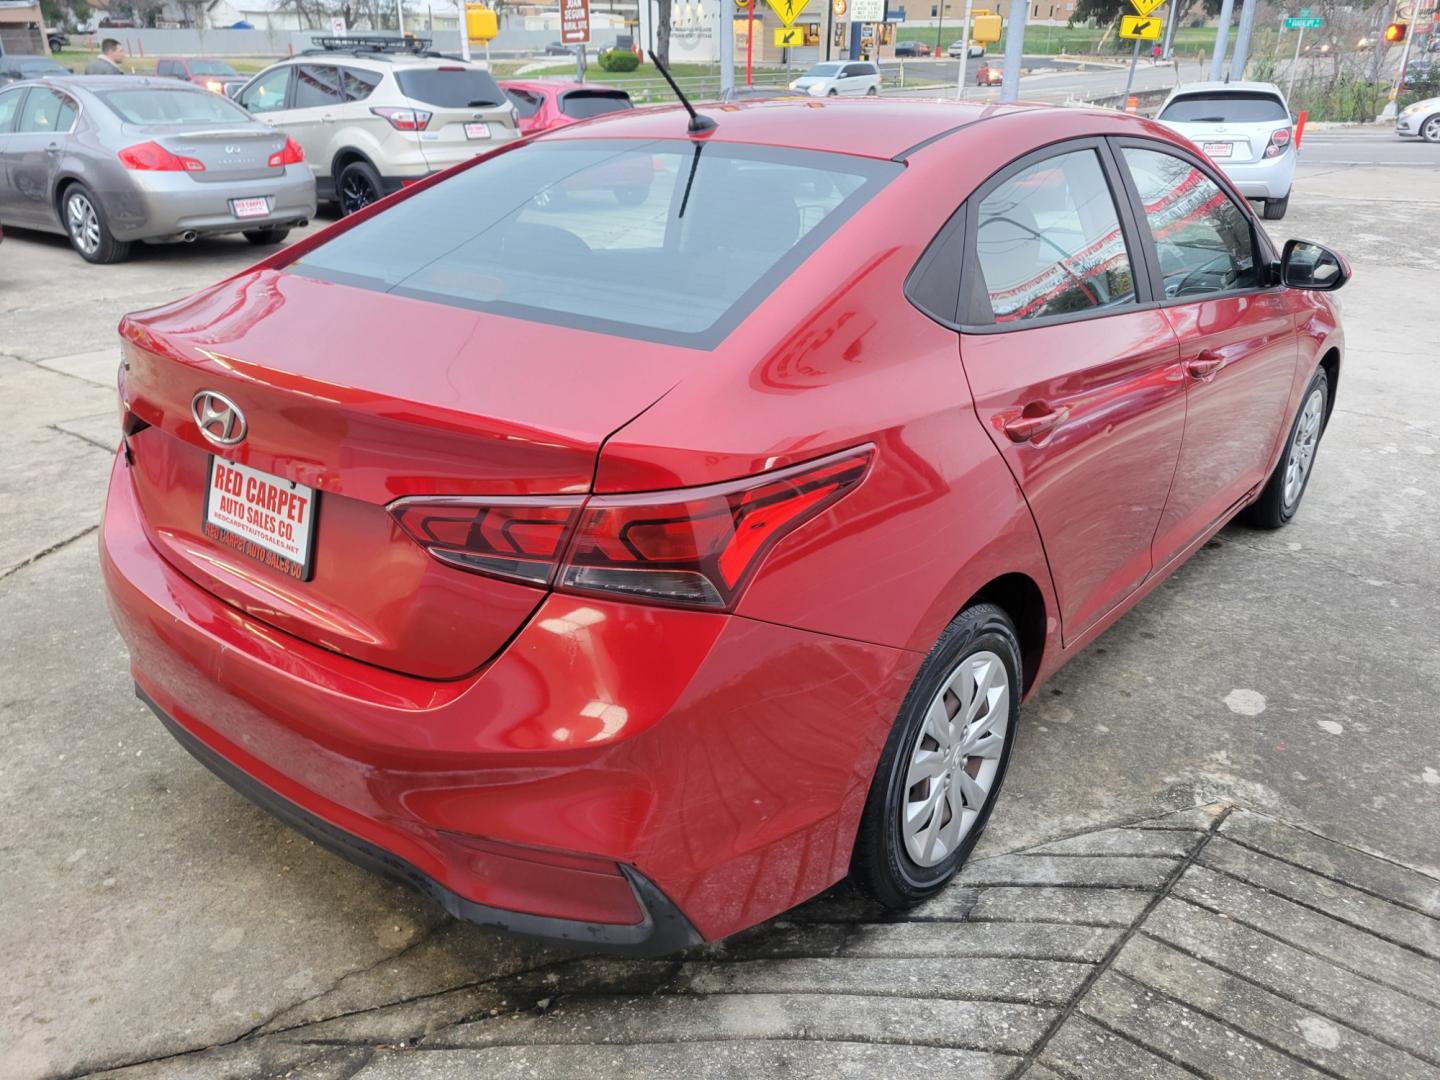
{"x":627,"y":574}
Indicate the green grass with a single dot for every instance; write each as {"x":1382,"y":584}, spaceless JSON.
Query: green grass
{"x":1071,"y":40}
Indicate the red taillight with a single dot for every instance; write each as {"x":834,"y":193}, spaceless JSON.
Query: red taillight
{"x":694,"y":548}
{"x":152,"y":157}
{"x":403,"y":119}
{"x":291,"y":154}
{"x":1279,"y":140}
{"x":521,"y":539}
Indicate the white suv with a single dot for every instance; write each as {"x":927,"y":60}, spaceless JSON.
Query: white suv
{"x":840,"y":78}
{"x":375,"y":113}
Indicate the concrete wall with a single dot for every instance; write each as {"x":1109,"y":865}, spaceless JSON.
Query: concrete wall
{"x":151,"y":43}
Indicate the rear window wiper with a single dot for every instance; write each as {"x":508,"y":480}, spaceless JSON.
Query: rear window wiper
{"x":481,"y":103}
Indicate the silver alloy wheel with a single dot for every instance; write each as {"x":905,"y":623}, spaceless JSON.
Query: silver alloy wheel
{"x":955,"y":758}
{"x":1302,"y":446}
{"x":83,"y":222}
{"x":1430,"y":130}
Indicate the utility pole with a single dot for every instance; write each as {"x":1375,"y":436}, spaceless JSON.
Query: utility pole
{"x":965,"y":51}
{"x":1242,"y":41}
{"x":400,"y":16}
{"x":726,"y":30}
{"x":1130,"y":78}
{"x":1170,"y":22}
{"x":1294,"y":65}
{"x":1222,"y":39}
{"x":464,"y":32}
{"x":1014,"y":49}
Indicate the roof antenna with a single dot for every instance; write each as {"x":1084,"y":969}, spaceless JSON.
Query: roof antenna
{"x":698,"y":123}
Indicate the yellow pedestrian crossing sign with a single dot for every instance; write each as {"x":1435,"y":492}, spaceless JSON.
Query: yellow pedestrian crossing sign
{"x":1138,"y":28}
{"x":789,"y":37}
{"x":1145,"y":7}
{"x":788,"y":10}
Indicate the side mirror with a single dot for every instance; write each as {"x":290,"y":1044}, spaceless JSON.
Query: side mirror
{"x":1306,"y":265}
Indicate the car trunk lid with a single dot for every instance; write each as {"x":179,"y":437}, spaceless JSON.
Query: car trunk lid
{"x":228,"y":152}
{"x":368,"y":398}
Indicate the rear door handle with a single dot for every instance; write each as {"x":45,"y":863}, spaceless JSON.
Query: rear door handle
{"x":53,"y":149}
{"x":1037,"y":419}
{"x":1203,"y":366}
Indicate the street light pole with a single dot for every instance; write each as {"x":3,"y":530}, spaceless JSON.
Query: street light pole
{"x":1169,"y":41}
{"x":726,"y":30}
{"x":1294,"y":65}
{"x":1222,"y":39}
{"x":1242,"y":41}
{"x":964,"y":51}
{"x":1014,"y":50}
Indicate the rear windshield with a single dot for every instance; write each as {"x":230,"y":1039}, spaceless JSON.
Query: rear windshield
{"x":1225,"y":107}
{"x":526,"y":104}
{"x":450,"y":87}
{"x":210,"y":67}
{"x":664,"y":240}
{"x":172,"y":107}
{"x":584,"y":103}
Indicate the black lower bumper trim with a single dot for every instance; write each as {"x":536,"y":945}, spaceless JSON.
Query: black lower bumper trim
{"x":663,"y":930}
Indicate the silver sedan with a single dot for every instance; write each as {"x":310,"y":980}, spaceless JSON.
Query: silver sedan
{"x":111,"y":160}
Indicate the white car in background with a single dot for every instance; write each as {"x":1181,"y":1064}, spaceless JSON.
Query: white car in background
{"x":840,"y":78}
{"x":1246,"y":129}
{"x":1421,"y":118}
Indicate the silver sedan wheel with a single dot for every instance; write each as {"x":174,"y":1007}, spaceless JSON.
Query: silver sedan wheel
{"x":83,"y":222}
{"x":1430,"y":130}
{"x":955,"y":759}
{"x":1302,"y":446}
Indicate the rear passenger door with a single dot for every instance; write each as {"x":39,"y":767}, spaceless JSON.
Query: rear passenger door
{"x":1073,"y":366}
{"x":33,"y":154}
{"x":1211,"y":268}
{"x":315,"y":103}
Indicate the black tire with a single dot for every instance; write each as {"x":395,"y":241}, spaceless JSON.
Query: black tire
{"x":880,"y":864}
{"x":1272,"y":508}
{"x":833,"y":93}
{"x":266,"y":237}
{"x":357,"y":186}
{"x":1430,"y":128}
{"x":1275,"y":208}
{"x":872,"y":92}
{"x":632,"y":194}
{"x":89,"y":232}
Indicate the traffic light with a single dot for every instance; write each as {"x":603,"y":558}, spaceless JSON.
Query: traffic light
{"x":1395,"y":32}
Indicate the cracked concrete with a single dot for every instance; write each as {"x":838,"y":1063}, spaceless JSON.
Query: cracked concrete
{"x":151,"y":918}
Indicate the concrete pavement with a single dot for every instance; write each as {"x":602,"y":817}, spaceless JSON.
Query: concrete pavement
{"x":1215,"y":852}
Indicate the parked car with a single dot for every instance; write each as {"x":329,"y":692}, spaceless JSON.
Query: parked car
{"x":15,"y":67}
{"x":737,"y":94}
{"x":911,"y":49}
{"x":556,"y":48}
{"x":630,"y":581}
{"x":840,"y":78}
{"x":541,"y":104}
{"x":375,"y":117}
{"x":108,"y":160}
{"x":1246,"y":128}
{"x":58,"y":40}
{"x":989,"y":75}
{"x":957,"y":50}
{"x":1420,"y":118}
{"x":213,"y":75}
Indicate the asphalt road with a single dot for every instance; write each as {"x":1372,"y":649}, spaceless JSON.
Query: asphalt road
{"x":150,"y":916}
{"x":1368,"y":146}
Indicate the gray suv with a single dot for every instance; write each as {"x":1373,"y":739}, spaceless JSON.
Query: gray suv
{"x":376,"y":113}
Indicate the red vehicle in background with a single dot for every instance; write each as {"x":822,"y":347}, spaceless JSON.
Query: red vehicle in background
{"x":543,"y":105}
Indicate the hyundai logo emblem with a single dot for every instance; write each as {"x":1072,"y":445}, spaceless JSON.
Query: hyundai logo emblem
{"x":218,"y":418}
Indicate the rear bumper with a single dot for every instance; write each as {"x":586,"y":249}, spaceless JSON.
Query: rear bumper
{"x":166,"y":206}
{"x":1265,"y":179}
{"x":662,"y":929}
{"x":622,"y":777}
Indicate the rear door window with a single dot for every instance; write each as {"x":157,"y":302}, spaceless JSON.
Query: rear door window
{"x":316,"y":86}
{"x":664,"y":240}
{"x":47,"y":113}
{"x":581,"y":104}
{"x":9,"y":106}
{"x":1225,"y":107}
{"x":526,"y":103}
{"x":1048,"y":241}
{"x":450,"y":87}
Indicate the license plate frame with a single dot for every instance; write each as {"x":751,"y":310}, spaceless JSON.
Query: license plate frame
{"x":1217,"y":150}
{"x":479,"y":129}
{"x":226,"y":517}
{"x":255,"y":207}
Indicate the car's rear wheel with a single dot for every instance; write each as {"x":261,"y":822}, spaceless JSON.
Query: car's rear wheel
{"x":871,"y":92}
{"x":1275,"y":208}
{"x":1280,"y":498}
{"x":358,"y":186}
{"x":1430,"y":129}
{"x":266,"y":237}
{"x":944,"y":761}
{"x":85,"y":224}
